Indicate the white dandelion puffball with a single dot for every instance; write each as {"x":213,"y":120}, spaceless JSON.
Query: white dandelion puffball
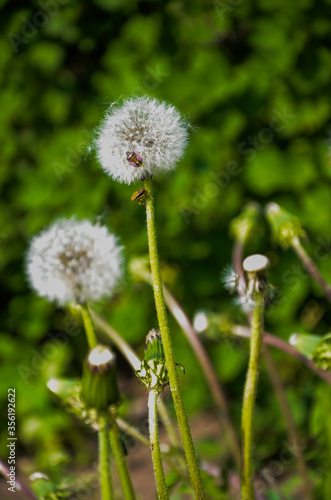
{"x":142,"y":137}
{"x":74,"y":261}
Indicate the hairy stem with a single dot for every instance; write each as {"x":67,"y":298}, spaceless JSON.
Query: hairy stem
{"x":208,"y":370}
{"x":247,"y":487}
{"x":135,"y":362}
{"x":272,"y":340}
{"x":135,"y":433}
{"x":155,"y":446}
{"x":310,"y":267}
{"x":183,"y":424}
{"x":104,"y":460}
{"x":104,"y":452}
{"x":289,"y":421}
{"x":88,"y":325}
{"x":120,"y":460}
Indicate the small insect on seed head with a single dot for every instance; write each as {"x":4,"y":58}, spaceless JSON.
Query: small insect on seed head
{"x":134,"y":159}
{"x":139,"y":195}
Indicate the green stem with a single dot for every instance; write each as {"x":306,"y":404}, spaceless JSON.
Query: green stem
{"x":104,"y":451}
{"x":183,"y":424}
{"x":135,"y":363}
{"x":120,"y":460}
{"x":310,"y":267}
{"x":208,"y":371}
{"x":135,"y":433}
{"x":289,"y":421}
{"x":104,"y":460}
{"x":155,"y":446}
{"x":88,"y":325}
{"x":247,"y":488}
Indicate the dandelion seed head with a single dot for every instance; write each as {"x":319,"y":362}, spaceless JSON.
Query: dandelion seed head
{"x":140,"y":138}
{"x":74,"y":261}
{"x":230,"y":279}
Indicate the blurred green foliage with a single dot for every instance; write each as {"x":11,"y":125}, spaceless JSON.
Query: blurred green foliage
{"x":254,"y":79}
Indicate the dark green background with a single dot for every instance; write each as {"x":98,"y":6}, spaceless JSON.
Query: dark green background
{"x":231,"y":67}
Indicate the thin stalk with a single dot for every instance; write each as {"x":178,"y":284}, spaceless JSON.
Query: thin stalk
{"x":155,"y":446}
{"x":120,"y":460}
{"x":207,"y":369}
{"x":277,"y":384}
{"x":104,"y":460}
{"x":269,"y":339}
{"x":183,"y":424}
{"x":104,"y":451}
{"x":88,"y":325}
{"x":135,"y":363}
{"x":289,"y":421}
{"x":135,"y":433}
{"x":310,"y":267}
{"x":247,"y":487}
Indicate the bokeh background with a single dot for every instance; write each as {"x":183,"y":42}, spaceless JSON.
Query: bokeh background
{"x":253,"y":78}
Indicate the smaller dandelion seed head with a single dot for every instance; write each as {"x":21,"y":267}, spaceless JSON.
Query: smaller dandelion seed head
{"x":38,"y":475}
{"x":74,"y":261}
{"x":140,"y":138}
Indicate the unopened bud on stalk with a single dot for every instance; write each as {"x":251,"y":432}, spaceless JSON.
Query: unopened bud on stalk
{"x":153,"y":372}
{"x":305,"y":343}
{"x":285,"y":227}
{"x":99,"y":383}
{"x":42,"y":486}
{"x":246,"y":225}
{"x":322,"y":353}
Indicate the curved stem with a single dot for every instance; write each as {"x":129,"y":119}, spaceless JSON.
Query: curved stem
{"x":104,"y":461}
{"x":135,"y":362}
{"x":135,"y":433}
{"x":289,"y":421}
{"x":208,"y":370}
{"x":120,"y":460}
{"x":183,"y":424}
{"x":310,"y":267}
{"x":155,"y":446}
{"x":268,"y":338}
{"x":247,"y":488}
{"x":88,"y":325}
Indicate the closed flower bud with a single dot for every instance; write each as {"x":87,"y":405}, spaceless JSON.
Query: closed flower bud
{"x":305,"y":343}
{"x":246,"y":225}
{"x":99,"y":383}
{"x":285,"y":226}
{"x":153,"y":372}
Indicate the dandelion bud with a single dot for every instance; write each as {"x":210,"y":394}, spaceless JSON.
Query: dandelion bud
{"x":285,"y":226}
{"x":42,"y":486}
{"x":305,"y":343}
{"x":322,"y":353}
{"x":245,"y":226}
{"x":140,"y":138}
{"x":153,"y":372}
{"x":99,"y":383}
